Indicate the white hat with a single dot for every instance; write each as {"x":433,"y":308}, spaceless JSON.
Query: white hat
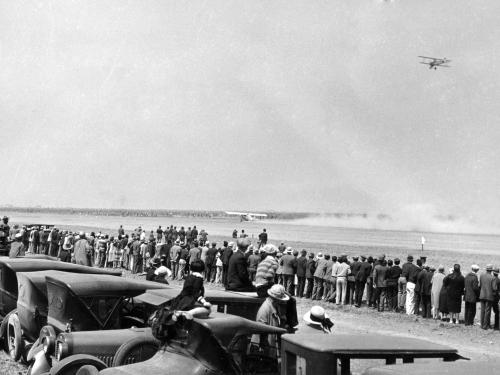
{"x":277,"y":291}
{"x":270,"y":249}
{"x":160,"y":271}
{"x":315,"y":315}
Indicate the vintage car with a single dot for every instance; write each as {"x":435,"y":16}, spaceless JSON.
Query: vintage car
{"x":214,"y":346}
{"x":219,"y":344}
{"x":8,"y":279}
{"x":141,"y":343}
{"x":53,"y":301}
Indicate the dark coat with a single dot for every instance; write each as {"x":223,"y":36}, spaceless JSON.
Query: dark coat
{"x":289,"y":263}
{"x":310,"y":268}
{"x":364,"y":272}
{"x":301,"y":266}
{"x":487,"y":287}
{"x":471,"y":288}
{"x":237,"y":273}
{"x":426,"y":283}
{"x":454,"y":284}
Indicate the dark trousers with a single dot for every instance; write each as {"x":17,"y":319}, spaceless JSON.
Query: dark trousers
{"x":360,"y":289}
{"x":496,"y":317}
{"x":426,"y":305}
{"x":317,"y":292}
{"x":224,"y":273}
{"x":470,"y":313}
{"x":300,"y":286}
{"x":392,"y":296}
{"x":309,"y":287}
{"x":418,"y":300}
{"x":380,"y":296}
{"x":370,"y":295}
{"x":210,"y":273}
{"x":486,"y":313}
{"x":288,"y":281}
{"x":351,"y":287}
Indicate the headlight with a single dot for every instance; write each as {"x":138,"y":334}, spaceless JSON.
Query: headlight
{"x":61,"y":350}
{"x":48,"y":344}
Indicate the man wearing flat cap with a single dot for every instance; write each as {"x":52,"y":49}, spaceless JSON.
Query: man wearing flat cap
{"x":237,"y":273}
{"x":487,"y":296}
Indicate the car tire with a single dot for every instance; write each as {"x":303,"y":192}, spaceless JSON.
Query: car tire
{"x":3,"y":330}
{"x":15,"y":343}
{"x":70,"y":365}
{"x":126,"y":348}
{"x":88,"y":370}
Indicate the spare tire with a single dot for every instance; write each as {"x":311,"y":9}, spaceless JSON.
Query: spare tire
{"x":70,"y":365}
{"x":146,"y":346}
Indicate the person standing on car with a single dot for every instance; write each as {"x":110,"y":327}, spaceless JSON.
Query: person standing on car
{"x":83,"y":251}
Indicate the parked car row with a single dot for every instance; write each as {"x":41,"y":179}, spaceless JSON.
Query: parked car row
{"x":65,"y":319}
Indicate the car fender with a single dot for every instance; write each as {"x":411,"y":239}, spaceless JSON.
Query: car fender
{"x":127,"y":347}
{"x":70,"y":365}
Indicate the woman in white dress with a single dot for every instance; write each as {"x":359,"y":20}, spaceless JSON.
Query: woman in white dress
{"x":437,"y":284}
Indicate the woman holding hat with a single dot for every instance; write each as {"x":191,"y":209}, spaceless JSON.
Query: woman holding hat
{"x":316,"y":320}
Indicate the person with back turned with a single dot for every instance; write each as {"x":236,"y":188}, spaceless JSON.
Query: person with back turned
{"x":471,"y":295}
{"x":237,"y":273}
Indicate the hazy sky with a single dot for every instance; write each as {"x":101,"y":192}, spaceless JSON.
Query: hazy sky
{"x":262,"y":105}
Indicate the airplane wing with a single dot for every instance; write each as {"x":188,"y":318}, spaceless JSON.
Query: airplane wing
{"x":443,"y":66}
{"x":426,"y":63}
{"x":426,"y":57}
{"x":236,"y":213}
{"x":257,"y":215}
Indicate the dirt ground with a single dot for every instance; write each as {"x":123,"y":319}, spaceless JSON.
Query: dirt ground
{"x":471,"y":342}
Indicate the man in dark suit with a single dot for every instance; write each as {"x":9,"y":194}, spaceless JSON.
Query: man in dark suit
{"x":486,"y":296}
{"x":237,"y":273}
{"x":301,"y":273}
{"x":471,"y":295}
{"x":360,"y":280}
{"x":310,"y":269}
{"x":351,"y":279}
{"x":289,"y":263}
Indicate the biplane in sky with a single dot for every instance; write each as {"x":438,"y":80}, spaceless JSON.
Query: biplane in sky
{"x":435,"y":62}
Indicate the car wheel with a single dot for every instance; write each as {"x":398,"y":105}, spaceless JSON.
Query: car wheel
{"x":144,"y":347}
{"x":88,"y":370}
{"x":14,"y":337}
{"x":70,"y":365}
{"x":3,"y":331}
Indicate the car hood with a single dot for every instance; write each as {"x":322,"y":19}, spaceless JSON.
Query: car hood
{"x":177,"y":364}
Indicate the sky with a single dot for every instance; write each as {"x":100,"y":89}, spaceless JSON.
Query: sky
{"x":316,"y":106}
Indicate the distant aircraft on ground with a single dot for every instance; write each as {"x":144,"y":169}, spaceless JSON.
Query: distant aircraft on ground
{"x":246,"y":216}
{"x":434,"y":62}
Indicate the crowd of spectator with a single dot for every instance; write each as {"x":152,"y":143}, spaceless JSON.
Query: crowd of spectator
{"x":414,"y":287}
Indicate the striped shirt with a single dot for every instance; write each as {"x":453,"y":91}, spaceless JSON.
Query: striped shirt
{"x":266,"y":271}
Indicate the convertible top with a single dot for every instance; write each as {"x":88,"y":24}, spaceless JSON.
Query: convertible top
{"x":36,"y":264}
{"x":102,"y":285}
{"x":159,"y":297}
{"x":366,"y":344}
